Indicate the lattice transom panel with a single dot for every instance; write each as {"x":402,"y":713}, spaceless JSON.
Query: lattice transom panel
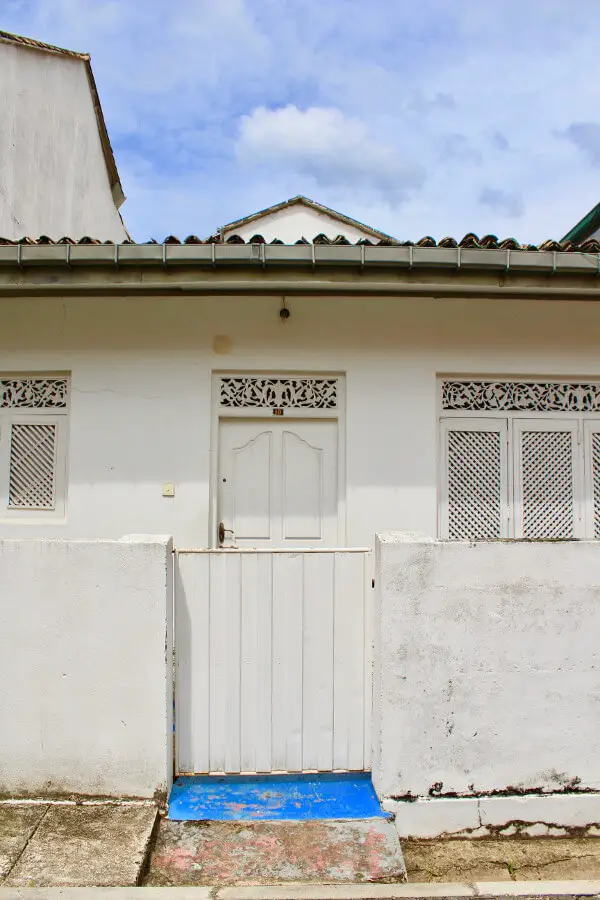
{"x":278,"y":393}
{"x":32,"y":466}
{"x":518,"y":396}
{"x":547,"y":484}
{"x":474,"y":485}
{"x":33,"y":393}
{"x":595,"y":465}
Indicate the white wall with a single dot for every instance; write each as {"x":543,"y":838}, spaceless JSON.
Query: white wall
{"x":486,"y":672}
{"x":295,"y":222}
{"x":141,"y":378}
{"x":85,"y":667}
{"x":52,"y":169}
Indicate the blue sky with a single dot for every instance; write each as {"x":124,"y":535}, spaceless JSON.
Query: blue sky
{"x":433,"y":117}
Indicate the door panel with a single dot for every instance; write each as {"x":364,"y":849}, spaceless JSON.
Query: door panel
{"x":278,"y":482}
{"x":251,"y":465}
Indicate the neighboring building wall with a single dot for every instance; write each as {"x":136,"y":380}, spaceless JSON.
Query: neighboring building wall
{"x":140,"y":392}
{"x":486,"y":682}
{"x":53,"y":175}
{"x":296,"y":222}
{"x":85,"y":667}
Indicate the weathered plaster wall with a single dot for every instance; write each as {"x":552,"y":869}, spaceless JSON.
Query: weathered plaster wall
{"x":52,"y":169}
{"x":141,"y":381}
{"x":85,"y":653}
{"x":486,"y":671}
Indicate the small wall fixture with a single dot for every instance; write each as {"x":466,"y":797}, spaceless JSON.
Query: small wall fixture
{"x":284,"y":312}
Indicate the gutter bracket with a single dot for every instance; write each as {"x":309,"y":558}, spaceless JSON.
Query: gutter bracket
{"x":68,"y":260}
{"x":213,"y":256}
{"x":314,"y":261}
{"x":410,"y":257}
{"x":20,"y":264}
{"x":116,"y":260}
{"x":262,"y":256}
{"x":554,"y":262}
{"x":164,"y":255}
{"x":362,"y":259}
{"x":458,"y":259}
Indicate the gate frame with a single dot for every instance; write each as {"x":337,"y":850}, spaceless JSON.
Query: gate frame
{"x":369,"y":642}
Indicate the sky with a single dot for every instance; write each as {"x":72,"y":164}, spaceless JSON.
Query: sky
{"x":436,"y":117}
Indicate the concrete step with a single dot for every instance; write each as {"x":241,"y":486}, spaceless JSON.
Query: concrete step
{"x":322,"y":851}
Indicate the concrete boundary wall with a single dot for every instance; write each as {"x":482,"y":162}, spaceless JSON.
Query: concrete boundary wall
{"x":85,"y":667}
{"x":487,"y":684}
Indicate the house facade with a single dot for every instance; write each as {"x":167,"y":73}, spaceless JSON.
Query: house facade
{"x":430,"y":370}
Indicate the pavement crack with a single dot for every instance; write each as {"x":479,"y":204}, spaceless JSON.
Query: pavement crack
{"x":26,"y":844}
{"x":559,"y":859}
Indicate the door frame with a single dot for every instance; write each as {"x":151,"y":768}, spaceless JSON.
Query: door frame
{"x":219,"y":412}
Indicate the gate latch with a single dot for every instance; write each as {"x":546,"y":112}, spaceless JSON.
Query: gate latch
{"x":223,"y":531}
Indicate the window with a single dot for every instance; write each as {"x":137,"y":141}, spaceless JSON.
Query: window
{"x":33,"y":416}
{"x":519,"y":460}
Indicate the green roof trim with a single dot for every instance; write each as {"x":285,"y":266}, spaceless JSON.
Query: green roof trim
{"x":584,"y":228}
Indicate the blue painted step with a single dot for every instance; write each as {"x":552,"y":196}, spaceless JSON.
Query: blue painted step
{"x":276,"y":797}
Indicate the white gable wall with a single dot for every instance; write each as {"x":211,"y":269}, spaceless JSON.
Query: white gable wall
{"x":140,"y":412}
{"x":52,"y":169}
{"x":295,"y":222}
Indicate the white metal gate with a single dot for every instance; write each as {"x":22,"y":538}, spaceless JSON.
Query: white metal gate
{"x":273,"y":653}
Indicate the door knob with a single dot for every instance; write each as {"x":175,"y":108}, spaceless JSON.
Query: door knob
{"x":223,"y":531}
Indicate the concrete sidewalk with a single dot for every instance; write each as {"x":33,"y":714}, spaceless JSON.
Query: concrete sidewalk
{"x":551,"y":890}
{"x":50,"y":845}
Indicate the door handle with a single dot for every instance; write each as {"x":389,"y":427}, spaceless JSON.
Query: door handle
{"x":223,"y":531}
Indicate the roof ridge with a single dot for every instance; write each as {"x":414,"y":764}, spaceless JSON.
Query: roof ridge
{"x":34,"y":44}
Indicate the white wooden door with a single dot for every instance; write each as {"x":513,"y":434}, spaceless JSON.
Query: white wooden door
{"x":278,"y":483}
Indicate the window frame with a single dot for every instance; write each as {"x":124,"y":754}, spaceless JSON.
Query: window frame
{"x":588,"y":423}
{"x":30,"y":415}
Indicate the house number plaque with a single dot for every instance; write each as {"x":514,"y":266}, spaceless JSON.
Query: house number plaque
{"x":277,"y":412}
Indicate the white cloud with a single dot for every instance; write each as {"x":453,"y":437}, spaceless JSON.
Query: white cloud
{"x":332,"y":148}
{"x":216,"y":108}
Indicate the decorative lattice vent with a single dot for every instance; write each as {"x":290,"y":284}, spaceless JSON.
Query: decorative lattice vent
{"x":521,"y":396}
{"x":278,"y":393}
{"x":33,"y":393}
{"x":32,"y":466}
{"x":547,"y":484}
{"x":474,"y":485}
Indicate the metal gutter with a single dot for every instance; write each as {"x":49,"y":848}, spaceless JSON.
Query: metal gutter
{"x":308,"y":288}
{"x":299,"y":255}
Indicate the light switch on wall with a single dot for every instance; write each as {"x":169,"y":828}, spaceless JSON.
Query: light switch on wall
{"x":168,"y":490}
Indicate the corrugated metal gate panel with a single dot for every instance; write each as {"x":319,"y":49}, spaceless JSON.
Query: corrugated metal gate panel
{"x":273,"y":661}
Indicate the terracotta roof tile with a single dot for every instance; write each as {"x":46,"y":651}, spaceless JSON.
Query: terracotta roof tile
{"x":470,"y":241}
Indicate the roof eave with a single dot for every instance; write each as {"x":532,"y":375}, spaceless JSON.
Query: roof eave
{"x":585,"y":227}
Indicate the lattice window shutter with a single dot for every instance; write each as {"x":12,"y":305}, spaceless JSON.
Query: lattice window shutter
{"x":474,"y":485}
{"x":32,"y":465}
{"x":546,"y":479}
{"x":592,"y":478}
